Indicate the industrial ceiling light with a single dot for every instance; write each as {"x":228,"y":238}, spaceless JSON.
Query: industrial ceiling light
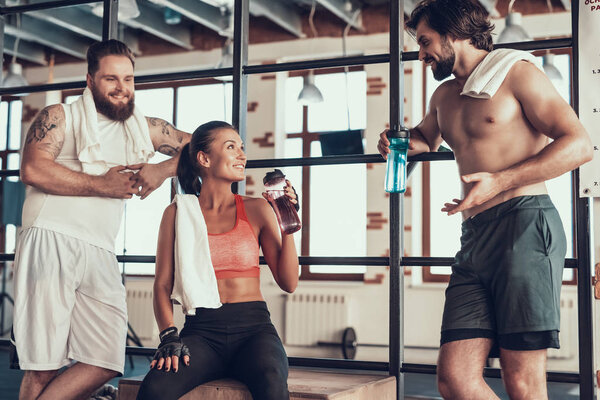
{"x":549,"y":68}
{"x":513,"y":31}
{"x":14,"y":77}
{"x":310,"y":93}
{"x":128,"y":9}
{"x":14,"y":73}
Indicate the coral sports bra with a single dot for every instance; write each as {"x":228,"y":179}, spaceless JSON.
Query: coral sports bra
{"x":234,"y":254}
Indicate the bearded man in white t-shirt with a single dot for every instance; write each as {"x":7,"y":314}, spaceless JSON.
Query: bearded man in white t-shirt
{"x":81,"y":162}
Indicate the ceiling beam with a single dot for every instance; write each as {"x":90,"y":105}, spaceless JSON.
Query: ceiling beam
{"x":153,"y":22}
{"x":282,"y":14}
{"x":80,"y":22}
{"x":49,"y":35}
{"x":25,"y":51}
{"x":200,"y":12}
{"x":338,"y":8}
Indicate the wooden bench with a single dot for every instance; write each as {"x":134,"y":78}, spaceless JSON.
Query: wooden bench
{"x":303,"y":384}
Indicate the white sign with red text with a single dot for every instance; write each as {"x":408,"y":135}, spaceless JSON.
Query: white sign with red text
{"x":589,"y":91}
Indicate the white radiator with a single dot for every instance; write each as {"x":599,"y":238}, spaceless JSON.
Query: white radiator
{"x":311,"y":317}
{"x":141,"y":313}
{"x":568,"y":329}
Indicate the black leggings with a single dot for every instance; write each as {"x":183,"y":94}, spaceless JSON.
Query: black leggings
{"x":235,"y":341}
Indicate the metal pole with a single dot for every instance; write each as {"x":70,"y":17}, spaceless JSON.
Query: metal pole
{"x":110,"y":20}
{"x":584,"y":269}
{"x":396,"y":351}
{"x":239,"y":110}
{"x":2,"y":23}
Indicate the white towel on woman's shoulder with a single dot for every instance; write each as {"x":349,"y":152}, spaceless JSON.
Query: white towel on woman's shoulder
{"x":486,"y":78}
{"x":195,"y":282}
{"x":85,"y":126}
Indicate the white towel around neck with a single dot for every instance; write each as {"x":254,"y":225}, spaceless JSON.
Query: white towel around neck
{"x":195,"y":282}
{"x":486,"y":78}
{"x":89,"y":152}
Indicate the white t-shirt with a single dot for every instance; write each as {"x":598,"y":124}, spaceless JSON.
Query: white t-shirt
{"x":95,"y":220}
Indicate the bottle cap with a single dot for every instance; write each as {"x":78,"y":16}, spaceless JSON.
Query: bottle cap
{"x":398,"y":133}
{"x":273,"y":177}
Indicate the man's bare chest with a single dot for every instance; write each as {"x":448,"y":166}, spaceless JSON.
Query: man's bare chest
{"x":462,"y":118}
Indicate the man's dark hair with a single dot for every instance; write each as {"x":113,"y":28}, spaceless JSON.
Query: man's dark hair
{"x":459,"y":19}
{"x":105,"y":48}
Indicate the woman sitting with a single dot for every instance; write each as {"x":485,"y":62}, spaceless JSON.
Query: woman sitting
{"x":236,"y":340}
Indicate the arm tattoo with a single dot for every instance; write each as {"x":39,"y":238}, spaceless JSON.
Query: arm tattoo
{"x":164,"y":126}
{"x":53,"y":147}
{"x":168,"y":150}
{"x":43,"y":124}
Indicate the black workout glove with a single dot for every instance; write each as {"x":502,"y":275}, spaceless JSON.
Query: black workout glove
{"x":170,"y":345}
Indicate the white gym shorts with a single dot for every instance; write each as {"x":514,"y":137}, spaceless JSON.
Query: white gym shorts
{"x":69,"y":303}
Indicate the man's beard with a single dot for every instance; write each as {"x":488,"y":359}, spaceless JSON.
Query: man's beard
{"x":116,"y":112}
{"x":443,"y":67}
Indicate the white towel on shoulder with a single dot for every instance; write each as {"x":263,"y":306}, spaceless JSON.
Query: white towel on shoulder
{"x":85,"y":124}
{"x":195,"y":282}
{"x":487,"y":77}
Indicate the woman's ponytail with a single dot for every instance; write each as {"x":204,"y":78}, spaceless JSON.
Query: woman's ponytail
{"x":187,"y":173}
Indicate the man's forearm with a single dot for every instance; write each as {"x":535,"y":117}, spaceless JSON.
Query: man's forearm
{"x":562,"y":155}
{"x":53,"y":178}
{"x":169,"y":167}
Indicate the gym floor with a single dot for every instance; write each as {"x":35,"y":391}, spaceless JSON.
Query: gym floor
{"x":418,"y":386}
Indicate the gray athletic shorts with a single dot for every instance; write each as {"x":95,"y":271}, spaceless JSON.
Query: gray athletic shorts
{"x":506,"y":279}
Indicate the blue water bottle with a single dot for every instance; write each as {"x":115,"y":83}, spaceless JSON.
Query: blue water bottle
{"x":395,"y":174}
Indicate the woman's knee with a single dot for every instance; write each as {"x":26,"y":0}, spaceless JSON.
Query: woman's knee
{"x":153,"y":387}
{"x":270,"y":383}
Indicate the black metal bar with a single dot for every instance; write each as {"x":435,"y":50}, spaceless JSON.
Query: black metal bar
{"x":345,"y":159}
{"x":396,"y":294}
{"x":110,"y":20}
{"x":42,"y":6}
{"x":584,"y":270}
{"x":309,"y":260}
{"x":318,"y":63}
{"x":261,"y":69}
{"x":2,"y":23}
{"x":338,"y":364}
{"x":240,"y":80}
{"x":240,"y":59}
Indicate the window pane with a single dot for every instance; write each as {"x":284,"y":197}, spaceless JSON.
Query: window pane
{"x":156,"y":103}
{"x":203,"y":103}
{"x":71,"y":99}
{"x":139,"y":229}
{"x":444,"y":230}
{"x":338,"y":209}
{"x":344,"y":97}
{"x":3,"y":124}
{"x":11,"y":238}
{"x":563,"y":63}
{"x":14,"y":160}
{"x":16,"y":111}
{"x":293,"y":109}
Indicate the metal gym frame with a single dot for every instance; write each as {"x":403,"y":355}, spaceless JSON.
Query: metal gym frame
{"x":396,"y":58}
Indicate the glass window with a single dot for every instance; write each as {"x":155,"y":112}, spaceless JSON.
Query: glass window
{"x":3,"y":124}
{"x":14,"y":139}
{"x":203,"y":103}
{"x":156,"y":103}
{"x":343,"y":108}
